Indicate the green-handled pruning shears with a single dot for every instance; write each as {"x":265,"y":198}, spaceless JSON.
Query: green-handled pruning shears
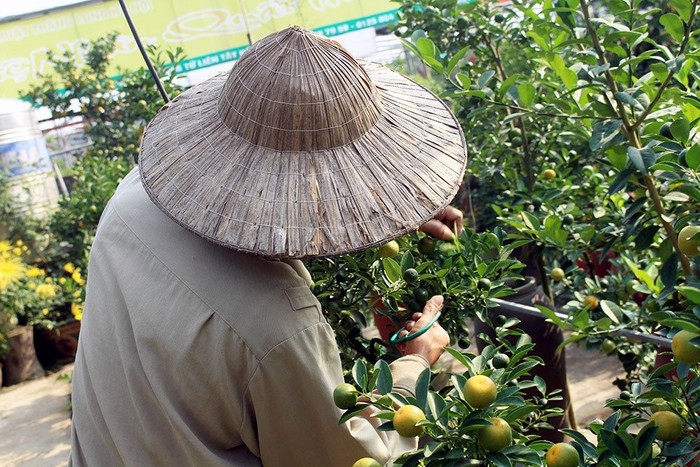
{"x":395,"y":339}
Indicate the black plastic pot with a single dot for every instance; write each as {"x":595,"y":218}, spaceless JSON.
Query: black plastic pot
{"x":546,"y":337}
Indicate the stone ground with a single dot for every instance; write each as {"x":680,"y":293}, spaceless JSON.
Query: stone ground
{"x":35,"y":420}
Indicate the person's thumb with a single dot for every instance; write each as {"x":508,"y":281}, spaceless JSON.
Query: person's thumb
{"x":434,"y":304}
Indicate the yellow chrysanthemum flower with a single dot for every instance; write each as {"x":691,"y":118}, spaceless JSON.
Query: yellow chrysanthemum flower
{"x":31,"y":286}
{"x":5,"y":246}
{"x":19,"y":243}
{"x":35,"y":272}
{"x":48,"y":280}
{"x":69,"y":268}
{"x":46,"y":290}
{"x":62,"y":280}
{"x":17,"y":251}
{"x":76,"y":276}
{"x":44,"y":311}
{"x":77,"y":311}
{"x":11,"y":270}
{"x":76,"y":293}
{"x":25,"y":249}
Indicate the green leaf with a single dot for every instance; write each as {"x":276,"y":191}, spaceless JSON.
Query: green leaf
{"x":674,"y":25}
{"x":433,"y":63}
{"x":683,"y":7}
{"x":620,"y":181}
{"x":629,"y":100}
{"x":505,"y":86}
{"x":385,"y":381}
{"x":645,"y":237}
{"x":550,"y":314}
{"x":411,"y":46}
{"x":659,"y":70}
{"x":567,"y":76}
{"x":422,"y":389}
{"x":526,"y":91}
{"x":359,"y":374}
{"x":611,"y":310}
{"x":391,"y":269}
{"x":426,"y":47}
{"x":352,"y":412}
{"x":464,"y":80}
{"x":456,"y":58}
{"x":485,"y":78}
{"x":691,"y":293}
{"x":669,"y":270}
{"x":407,"y":261}
{"x":680,"y":129}
{"x":604,"y":134}
{"x":692,"y":157}
{"x":642,"y":159}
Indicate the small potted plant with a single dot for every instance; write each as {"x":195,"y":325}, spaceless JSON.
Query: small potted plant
{"x":27,"y":294}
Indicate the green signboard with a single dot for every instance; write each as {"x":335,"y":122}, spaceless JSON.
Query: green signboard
{"x":209,"y":31}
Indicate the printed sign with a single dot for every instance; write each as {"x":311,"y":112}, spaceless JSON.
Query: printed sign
{"x":209,"y":31}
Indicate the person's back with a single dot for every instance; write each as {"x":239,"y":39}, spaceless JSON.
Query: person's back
{"x":195,"y":350}
{"x":186,"y":324}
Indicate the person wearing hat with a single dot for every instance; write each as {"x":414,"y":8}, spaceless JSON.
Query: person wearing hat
{"x":201,"y":341}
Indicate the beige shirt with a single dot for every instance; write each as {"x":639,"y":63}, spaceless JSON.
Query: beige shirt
{"x":193,"y":354}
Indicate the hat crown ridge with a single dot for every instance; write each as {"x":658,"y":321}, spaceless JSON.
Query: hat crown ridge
{"x":298,"y":91}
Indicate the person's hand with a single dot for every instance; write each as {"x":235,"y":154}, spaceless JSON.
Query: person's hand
{"x":432,"y":343}
{"x":443,"y":225}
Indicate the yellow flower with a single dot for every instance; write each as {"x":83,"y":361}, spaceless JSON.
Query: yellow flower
{"x":62,"y":280}
{"x":17,"y":251}
{"x":5,"y":246}
{"x":44,"y":311}
{"x":47,"y":280}
{"x":11,"y":270}
{"x":76,"y":293}
{"x":5,"y":254}
{"x":69,"y":268}
{"x":25,"y":249}
{"x":46,"y":290}
{"x":35,"y":272}
{"x":31,"y":286}
{"x":19,"y":243}
{"x":77,"y":277}
{"x":77,"y":311}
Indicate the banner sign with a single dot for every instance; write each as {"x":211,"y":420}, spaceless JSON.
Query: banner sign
{"x":209,"y":31}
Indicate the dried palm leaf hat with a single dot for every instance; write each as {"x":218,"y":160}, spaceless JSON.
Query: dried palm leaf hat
{"x":300,"y":151}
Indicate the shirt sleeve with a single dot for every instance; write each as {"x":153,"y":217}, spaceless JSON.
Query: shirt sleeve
{"x":290,"y":406}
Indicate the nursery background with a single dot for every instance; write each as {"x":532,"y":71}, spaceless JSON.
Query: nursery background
{"x":581,"y":196}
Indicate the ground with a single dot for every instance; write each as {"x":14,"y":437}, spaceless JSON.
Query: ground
{"x":35,"y":420}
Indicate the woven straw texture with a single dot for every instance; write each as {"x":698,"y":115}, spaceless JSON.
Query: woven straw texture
{"x":301,"y":151}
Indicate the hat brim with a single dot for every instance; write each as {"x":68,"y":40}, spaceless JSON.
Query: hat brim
{"x":275,"y":203}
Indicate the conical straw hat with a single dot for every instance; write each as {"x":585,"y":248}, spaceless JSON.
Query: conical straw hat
{"x":301,"y":151}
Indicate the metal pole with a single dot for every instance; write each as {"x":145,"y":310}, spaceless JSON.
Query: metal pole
{"x":154,"y":74}
{"x":532,"y":311}
{"x":245,"y":22}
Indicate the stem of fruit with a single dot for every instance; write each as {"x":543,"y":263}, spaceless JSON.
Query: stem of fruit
{"x":656,"y":200}
{"x":529,"y":174}
{"x":520,"y":125}
{"x":633,"y":139}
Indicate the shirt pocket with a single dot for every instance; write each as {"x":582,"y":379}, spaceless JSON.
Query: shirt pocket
{"x":301,"y":299}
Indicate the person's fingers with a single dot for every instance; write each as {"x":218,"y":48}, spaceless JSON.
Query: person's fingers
{"x":433,"y":305}
{"x":437,"y":229}
{"x":409,"y":325}
{"x":454,"y":216}
{"x":416,"y":316}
